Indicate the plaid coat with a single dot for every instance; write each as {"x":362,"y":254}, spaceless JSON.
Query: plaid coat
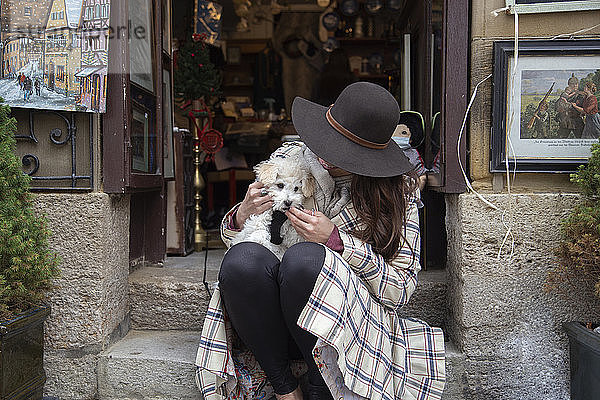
{"x":364,"y":349}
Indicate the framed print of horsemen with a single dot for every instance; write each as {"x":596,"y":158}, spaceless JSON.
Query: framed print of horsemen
{"x":54,"y":54}
{"x":545,"y":111}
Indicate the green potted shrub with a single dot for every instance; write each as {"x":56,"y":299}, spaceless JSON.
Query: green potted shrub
{"x":578,"y":272}
{"x":27,"y":267}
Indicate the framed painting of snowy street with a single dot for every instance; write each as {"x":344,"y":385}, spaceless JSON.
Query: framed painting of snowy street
{"x":54,"y":54}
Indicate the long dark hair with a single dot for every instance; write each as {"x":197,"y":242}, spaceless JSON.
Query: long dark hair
{"x":381,"y":206}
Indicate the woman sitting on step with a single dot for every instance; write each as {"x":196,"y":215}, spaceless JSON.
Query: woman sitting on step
{"x":332,"y":300}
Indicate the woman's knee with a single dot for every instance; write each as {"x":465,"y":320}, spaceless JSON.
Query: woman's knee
{"x":301,"y":261}
{"x":245,"y":261}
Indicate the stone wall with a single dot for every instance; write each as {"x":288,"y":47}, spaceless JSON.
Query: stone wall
{"x":508,"y":327}
{"x":90,"y":232}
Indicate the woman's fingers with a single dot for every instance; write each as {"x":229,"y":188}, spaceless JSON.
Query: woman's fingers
{"x":253,"y":203}
{"x":262,"y":202}
{"x":312,"y":225}
{"x":255,"y":185}
{"x":263,"y":206}
{"x":308,"y":217}
{"x":306,"y":224}
{"x":301,"y":220}
{"x":254,"y":189}
{"x":259,"y":193}
{"x":256,"y":196}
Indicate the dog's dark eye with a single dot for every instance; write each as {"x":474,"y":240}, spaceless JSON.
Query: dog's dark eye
{"x":280,"y":185}
{"x":296,"y":189}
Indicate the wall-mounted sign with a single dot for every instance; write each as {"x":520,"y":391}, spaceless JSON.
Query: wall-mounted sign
{"x":545,"y":116}
{"x":544,"y":6}
{"x":54,"y":54}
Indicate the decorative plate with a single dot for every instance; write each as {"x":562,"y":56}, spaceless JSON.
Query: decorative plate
{"x":349,"y":7}
{"x":373,"y":6}
{"x":331,"y":21}
{"x":331,"y":44}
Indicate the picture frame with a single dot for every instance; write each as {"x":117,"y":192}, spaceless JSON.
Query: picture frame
{"x":55,"y":57}
{"x":546,"y":6}
{"x":140,"y":139}
{"x":550,"y":137}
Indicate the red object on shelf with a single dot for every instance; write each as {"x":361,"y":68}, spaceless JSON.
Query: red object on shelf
{"x":209,"y":140}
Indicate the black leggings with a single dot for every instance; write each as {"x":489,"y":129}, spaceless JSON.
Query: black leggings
{"x":264,"y":298}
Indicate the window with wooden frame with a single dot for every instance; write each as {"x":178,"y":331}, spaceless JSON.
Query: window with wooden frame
{"x":439,"y":48}
{"x":439,"y":42}
{"x":167,"y":90}
{"x":454,"y":92}
{"x":435,"y":40}
{"x":133,"y":124}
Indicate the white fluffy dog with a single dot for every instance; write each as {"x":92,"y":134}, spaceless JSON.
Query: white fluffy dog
{"x":288,"y":181}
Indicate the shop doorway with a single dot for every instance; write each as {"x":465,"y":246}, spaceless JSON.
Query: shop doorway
{"x":417,"y":50}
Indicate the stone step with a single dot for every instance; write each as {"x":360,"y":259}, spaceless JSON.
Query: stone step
{"x":428,"y":302}
{"x":174,"y":297}
{"x":150,"y":365}
{"x":159,"y":365}
{"x":455,"y":372}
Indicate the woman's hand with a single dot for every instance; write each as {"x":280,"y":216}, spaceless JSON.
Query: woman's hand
{"x":254,"y":202}
{"x":313,"y":226}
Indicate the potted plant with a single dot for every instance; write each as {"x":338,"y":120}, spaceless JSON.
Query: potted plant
{"x":579,"y":271}
{"x":27,"y":267}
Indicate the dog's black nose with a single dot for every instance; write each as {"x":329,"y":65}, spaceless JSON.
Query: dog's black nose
{"x":287,"y":203}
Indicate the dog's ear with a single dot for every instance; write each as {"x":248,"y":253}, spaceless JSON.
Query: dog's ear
{"x":266,"y":172}
{"x":308,"y":186}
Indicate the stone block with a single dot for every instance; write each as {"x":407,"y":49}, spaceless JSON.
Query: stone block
{"x":455,"y":372}
{"x":506,"y":379}
{"x":155,"y":365}
{"x":428,"y":302}
{"x":501,"y":317}
{"x":535,"y":222}
{"x":70,"y":375}
{"x":90,"y":233}
{"x":454,"y":268}
{"x":173,"y":297}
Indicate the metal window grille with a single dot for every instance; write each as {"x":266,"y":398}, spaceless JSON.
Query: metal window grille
{"x":49,"y":150}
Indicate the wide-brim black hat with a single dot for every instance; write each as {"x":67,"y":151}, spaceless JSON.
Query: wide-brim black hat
{"x":354,"y":133}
